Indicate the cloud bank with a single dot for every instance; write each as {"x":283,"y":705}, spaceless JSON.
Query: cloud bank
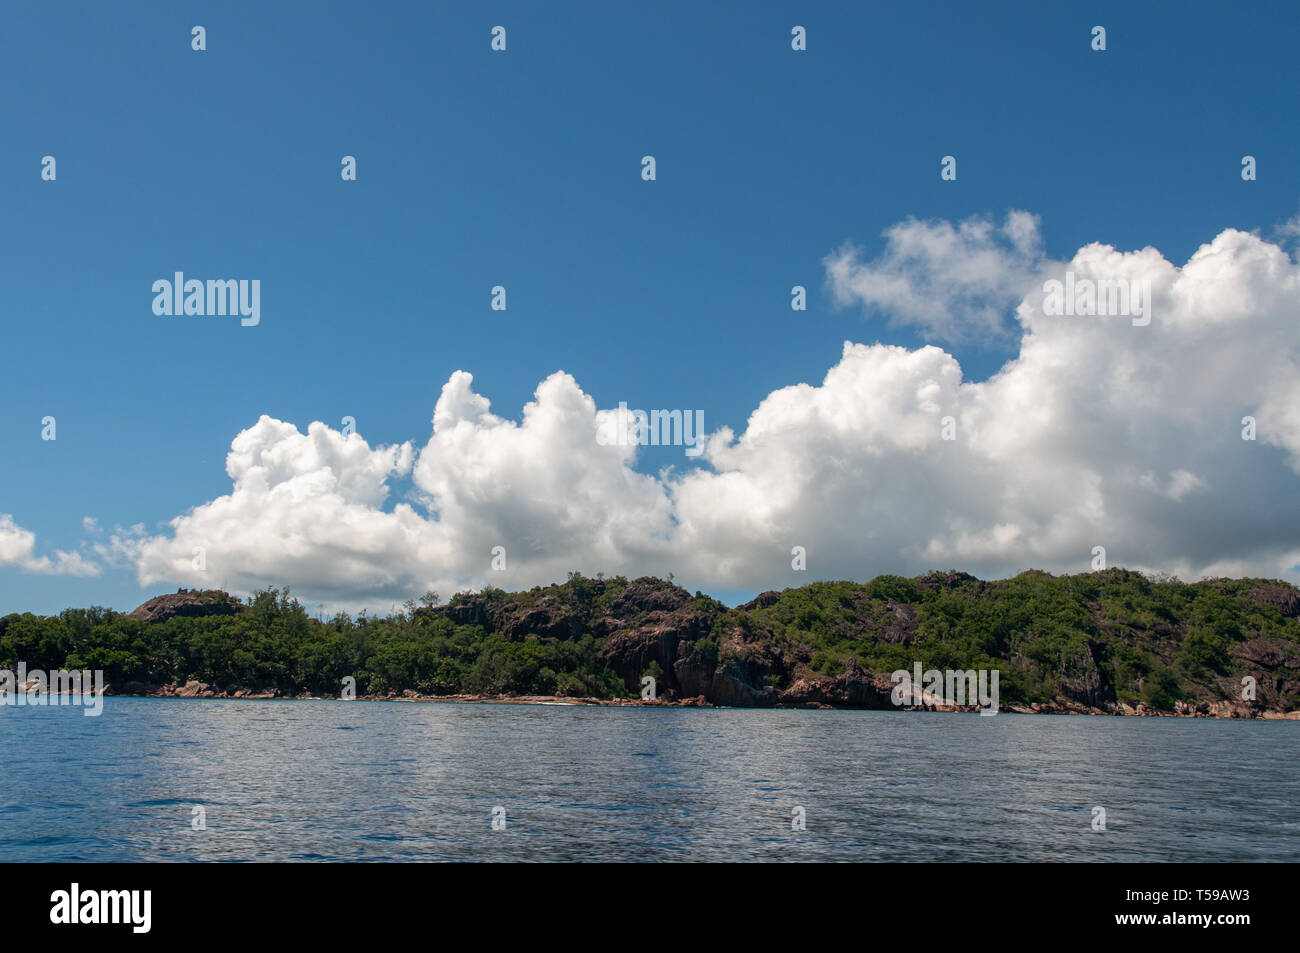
{"x":1098,"y":433}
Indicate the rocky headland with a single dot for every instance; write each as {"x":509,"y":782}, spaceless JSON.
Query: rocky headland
{"x":1114,"y":642}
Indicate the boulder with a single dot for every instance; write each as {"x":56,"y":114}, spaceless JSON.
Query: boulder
{"x":187,"y":602}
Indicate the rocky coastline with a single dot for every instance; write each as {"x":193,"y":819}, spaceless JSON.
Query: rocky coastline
{"x":1063,"y":706}
{"x":1114,"y":642}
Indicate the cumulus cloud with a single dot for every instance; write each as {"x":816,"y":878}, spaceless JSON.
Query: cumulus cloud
{"x":1098,"y":433}
{"x":952,"y":282}
{"x":18,"y":550}
{"x":307,"y":509}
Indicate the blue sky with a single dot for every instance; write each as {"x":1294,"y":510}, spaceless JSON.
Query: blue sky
{"x":523,"y":169}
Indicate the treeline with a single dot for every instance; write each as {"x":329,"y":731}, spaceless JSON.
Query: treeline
{"x":1102,"y":639}
{"x":275,"y":644}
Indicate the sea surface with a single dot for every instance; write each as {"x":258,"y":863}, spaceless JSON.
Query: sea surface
{"x":402,"y":781}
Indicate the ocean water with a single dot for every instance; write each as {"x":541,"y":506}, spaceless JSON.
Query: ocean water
{"x":394,"y":781}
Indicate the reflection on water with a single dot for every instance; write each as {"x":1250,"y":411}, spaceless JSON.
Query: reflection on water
{"x":306,"y":780}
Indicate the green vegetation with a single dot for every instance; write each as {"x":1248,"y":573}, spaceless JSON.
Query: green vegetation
{"x":1097,"y":639}
{"x":273,"y":644}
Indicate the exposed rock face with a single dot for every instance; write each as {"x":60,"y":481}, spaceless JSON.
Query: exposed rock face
{"x":648,"y":594}
{"x":1270,"y":652}
{"x":762,"y":600}
{"x":548,"y":616}
{"x":653,"y":622}
{"x":1279,"y":655}
{"x":952,"y":579}
{"x":1286,"y":601}
{"x":187,"y":602}
{"x":899,"y":627}
{"x":854,"y":688}
{"x":630,"y":652}
{"x":550,"y":620}
{"x":468,"y":612}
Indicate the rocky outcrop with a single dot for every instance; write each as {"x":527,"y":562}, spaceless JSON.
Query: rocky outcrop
{"x":951,"y":579}
{"x":631,"y":653}
{"x":1286,"y":601}
{"x":1270,"y":652}
{"x":761,"y":601}
{"x":551,"y":620}
{"x":187,"y":602}
{"x":191,"y":689}
{"x":546,"y":616}
{"x":854,"y":688}
{"x":651,"y":627}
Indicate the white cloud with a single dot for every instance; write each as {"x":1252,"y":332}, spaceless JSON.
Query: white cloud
{"x":953,"y":282}
{"x":304,"y":508}
{"x":1290,"y":229}
{"x":18,"y":550}
{"x":1097,"y":433}
{"x":307,"y":509}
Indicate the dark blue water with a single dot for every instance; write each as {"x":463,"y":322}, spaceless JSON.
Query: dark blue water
{"x":306,"y":780}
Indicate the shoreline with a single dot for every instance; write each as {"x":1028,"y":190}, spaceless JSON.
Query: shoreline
{"x":1224,"y":710}
{"x":823,"y":645}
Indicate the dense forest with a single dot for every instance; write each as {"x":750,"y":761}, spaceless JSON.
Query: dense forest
{"x":1106,"y":641}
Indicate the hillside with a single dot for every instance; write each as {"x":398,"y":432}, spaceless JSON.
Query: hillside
{"x":1113,"y":641}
